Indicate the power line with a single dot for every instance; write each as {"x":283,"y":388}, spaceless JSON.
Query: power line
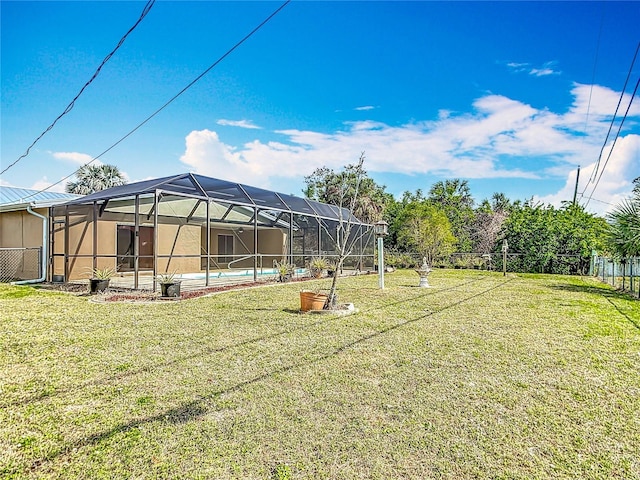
{"x":624,"y":88}
{"x":615,"y":139}
{"x":137,"y":127}
{"x":593,"y":74}
{"x":144,"y":13}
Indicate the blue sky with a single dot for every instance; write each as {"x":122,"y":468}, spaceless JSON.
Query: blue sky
{"x":512,"y":97}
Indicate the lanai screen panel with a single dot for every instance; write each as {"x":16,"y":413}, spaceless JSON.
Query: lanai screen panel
{"x":305,"y":238}
{"x":297,"y":204}
{"x":222,"y":190}
{"x":265,"y":198}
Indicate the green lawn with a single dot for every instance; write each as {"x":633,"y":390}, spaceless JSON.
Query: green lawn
{"x":481,"y":376}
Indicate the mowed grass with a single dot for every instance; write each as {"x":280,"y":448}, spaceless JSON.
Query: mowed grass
{"x":480,"y":376}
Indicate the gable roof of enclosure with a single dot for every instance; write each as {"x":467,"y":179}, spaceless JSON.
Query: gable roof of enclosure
{"x":207,"y":188}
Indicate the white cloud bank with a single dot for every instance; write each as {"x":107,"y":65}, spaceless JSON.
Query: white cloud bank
{"x":500,"y":138}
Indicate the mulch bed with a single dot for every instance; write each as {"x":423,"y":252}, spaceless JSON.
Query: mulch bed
{"x":119,"y":294}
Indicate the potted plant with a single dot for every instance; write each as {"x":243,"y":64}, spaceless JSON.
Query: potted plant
{"x":169,"y":285}
{"x":331,"y":268}
{"x":310,"y":300}
{"x":284,"y":269}
{"x":99,"y":280}
{"x":318,"y":265}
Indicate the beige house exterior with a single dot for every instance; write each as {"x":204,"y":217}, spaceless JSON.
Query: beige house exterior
{"x":24,"y":231}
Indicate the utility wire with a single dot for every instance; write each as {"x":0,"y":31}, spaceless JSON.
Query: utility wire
{"x":615,"y":139}
{"x":144,"y":13}
{"x":624,"y":88}
{"x":137,"y":127}
{"x":593,"y":74}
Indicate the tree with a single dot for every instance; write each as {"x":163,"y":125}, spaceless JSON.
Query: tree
{"x":423,"y":227}
{"x":547,"y":238}
{"x":454,"y":198}
{"x":345,"y":190}
{"x":350,"y":186}
{"x":93,"y":178}
{"x":487,"y":222}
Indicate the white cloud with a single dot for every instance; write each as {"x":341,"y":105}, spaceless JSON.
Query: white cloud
{"x":45,"y":184}
{"x":542,"y":72}
{"x":207,"y":155}
{"x":485,"y":143}
{"x":74,"y":157}
{"x":546,"y":69}
{"x":365,"y":108}
{"x":238,"y":123}
{"x":615,"y":178}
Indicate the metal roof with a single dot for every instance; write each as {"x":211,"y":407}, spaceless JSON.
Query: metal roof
{"x":12,"y":198}
{"x":207,"y":188}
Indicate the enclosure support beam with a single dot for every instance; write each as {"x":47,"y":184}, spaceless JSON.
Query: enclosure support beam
{"x":319,"y":253}
{"x":290,"y":241}
{"x":255,"y":244}
{"x":66,"y":243}
{"x":156,"y":199}
{"x":52,"y":243}
{"x":136,"y":242}
{"x":94,"y":248}
{"x":207,"y":237}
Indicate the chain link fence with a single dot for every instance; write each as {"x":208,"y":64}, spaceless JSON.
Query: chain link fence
{"x":20,"y":264}
{"x":623,"y":273}
{"x":516,"y":262}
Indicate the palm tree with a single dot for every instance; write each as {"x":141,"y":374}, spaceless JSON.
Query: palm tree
{"x":625,"y":227}
{"x":93,"y":178}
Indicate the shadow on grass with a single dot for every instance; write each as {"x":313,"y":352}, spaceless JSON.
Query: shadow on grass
{"x":197,"y":408}
{"x":207,"y":351}
{"x":130,"y":373}
{"x":591,"y":289}
{"x":605,"y":291}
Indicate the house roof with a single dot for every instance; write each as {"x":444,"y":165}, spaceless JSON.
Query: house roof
{"x":12,"y":198}
{"x":207,"y":188}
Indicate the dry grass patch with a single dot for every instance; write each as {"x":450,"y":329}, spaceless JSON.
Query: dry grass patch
{"x":480,"y":376}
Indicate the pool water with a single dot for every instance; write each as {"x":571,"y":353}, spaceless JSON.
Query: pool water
{"x":235,"y":273}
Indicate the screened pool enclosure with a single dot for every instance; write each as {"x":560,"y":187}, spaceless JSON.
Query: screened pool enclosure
{"x":197,"y":227}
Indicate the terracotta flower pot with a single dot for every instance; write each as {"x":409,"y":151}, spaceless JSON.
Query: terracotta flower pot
{"x":312,"y":301}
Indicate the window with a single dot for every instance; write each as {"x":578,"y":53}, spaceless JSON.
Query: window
{"x":225,"y":247}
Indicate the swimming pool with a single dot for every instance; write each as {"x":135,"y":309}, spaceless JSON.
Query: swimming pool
{"x":235,"y":273}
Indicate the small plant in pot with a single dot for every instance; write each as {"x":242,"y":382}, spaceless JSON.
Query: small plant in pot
{"x":169,"y":285}
{"x":285,"y":270}
{"x":99,"y":280}
{"x":318,"y":265}
{"x":331,"y":268}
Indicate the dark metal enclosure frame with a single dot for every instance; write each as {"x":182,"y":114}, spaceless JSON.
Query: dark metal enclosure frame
{"x":160,"y":223}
